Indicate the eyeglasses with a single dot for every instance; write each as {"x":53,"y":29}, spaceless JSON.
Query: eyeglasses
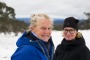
{"x":71,"y":31}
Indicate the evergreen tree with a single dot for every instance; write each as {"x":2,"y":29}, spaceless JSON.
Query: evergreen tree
{"x":8,"y":22}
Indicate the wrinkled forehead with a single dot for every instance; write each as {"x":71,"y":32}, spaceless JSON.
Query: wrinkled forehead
{"x":44,"y":20}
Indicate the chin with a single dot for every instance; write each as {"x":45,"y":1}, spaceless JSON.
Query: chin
{"x":46,"y":40}
{"x":69,"y":39}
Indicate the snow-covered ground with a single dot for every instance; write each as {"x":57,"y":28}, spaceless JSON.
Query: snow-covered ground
{"x":8,"y":42}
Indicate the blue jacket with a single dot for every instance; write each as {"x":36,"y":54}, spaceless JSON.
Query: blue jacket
{"x":32,"y":48}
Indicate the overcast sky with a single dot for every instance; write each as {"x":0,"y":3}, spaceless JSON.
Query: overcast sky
{"x":54,"y":8}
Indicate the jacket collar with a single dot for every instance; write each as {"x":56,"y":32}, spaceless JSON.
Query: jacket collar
{"x":76,"y":42}
{"x":31,"y":36}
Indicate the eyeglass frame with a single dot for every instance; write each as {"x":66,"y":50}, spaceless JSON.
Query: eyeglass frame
{"x":71,"y":31}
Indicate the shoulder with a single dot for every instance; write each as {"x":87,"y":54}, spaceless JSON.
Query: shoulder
{"x":58,"y":47}
{"x":84,"y":53}
{"x":27,"y":48}
{"x":24,"y":52}
{"x":84,"y":50}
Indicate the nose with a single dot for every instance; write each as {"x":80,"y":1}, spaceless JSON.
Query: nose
{"x":68,"y":32}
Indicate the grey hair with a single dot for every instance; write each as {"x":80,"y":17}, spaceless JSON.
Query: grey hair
{"x":34,"y":18}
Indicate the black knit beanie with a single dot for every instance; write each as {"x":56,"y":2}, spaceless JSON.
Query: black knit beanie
{"x":71,"y":22}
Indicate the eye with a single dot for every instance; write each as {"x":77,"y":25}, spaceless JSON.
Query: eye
{"x":71,"y":30}
{"x":65,"y":29}
{"x":50,"y":28}
{"x":43,"y":28}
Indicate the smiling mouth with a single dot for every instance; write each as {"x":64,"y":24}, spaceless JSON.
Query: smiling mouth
{"x":45,"y":36}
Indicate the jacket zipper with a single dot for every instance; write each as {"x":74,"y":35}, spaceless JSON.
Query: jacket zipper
{"x":65,"y":55}
{"x":42,"y":50}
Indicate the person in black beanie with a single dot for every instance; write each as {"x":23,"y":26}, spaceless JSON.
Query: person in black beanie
{"x":73,"y":45}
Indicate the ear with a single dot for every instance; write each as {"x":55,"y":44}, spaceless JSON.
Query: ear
{"x":31,"y":27}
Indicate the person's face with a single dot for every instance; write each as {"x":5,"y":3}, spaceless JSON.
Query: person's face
{"x":69,"y":33}
{"x":43,"y":29}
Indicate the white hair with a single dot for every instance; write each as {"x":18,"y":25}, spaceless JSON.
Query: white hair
{"x":35,"y":18}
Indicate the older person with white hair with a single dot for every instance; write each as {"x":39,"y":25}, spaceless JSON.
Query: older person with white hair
{"x":36,"y":44}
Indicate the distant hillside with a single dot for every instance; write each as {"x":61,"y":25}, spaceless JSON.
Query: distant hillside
{"x":58,"y":21}
{"x":27,"y":20}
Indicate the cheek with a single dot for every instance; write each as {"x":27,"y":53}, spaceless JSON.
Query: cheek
{"x":69,"y":35}
{"x":74,"y":35}
{"x":39,"y":32}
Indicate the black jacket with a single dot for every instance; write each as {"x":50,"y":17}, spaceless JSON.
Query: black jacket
{"x":72,"y":50}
